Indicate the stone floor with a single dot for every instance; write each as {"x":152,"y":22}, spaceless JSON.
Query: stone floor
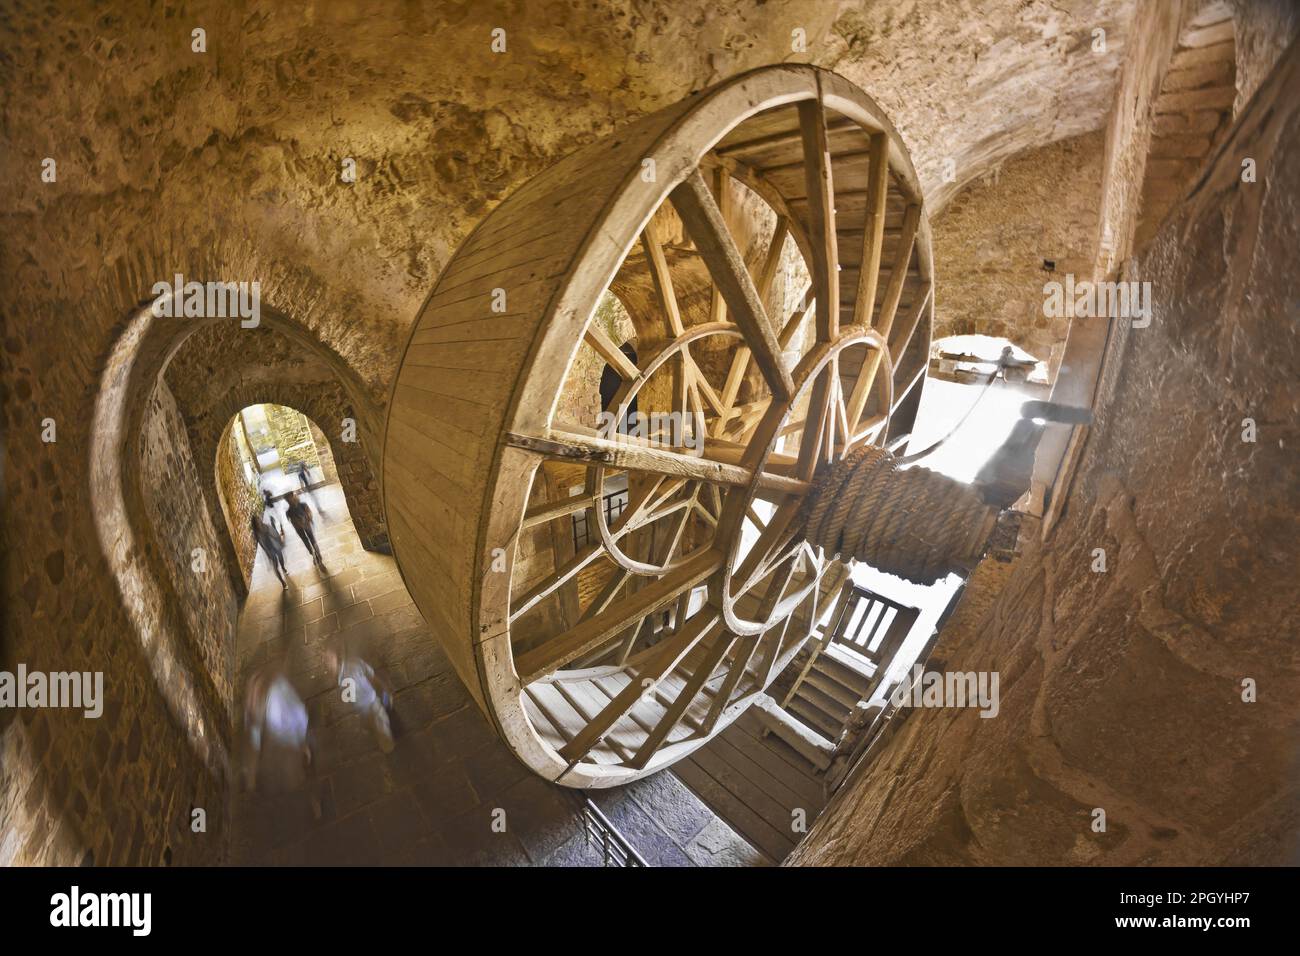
{"x":434,"y":799}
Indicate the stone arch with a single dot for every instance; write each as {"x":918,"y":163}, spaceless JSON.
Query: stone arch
{"x":133,"y":367}
{"x":273,"y":367}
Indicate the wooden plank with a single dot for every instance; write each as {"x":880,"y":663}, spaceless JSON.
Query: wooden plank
{"x":624,"y":737}
{"x":607,"y":349}
{"x":686,"y":696}
{"x":773,"y":831}
{"x":778,"y":758}
{"x":632,"y":455}
{"x":771,"y":842}
{"x":661,"y":276}
{"x":724,"y":748}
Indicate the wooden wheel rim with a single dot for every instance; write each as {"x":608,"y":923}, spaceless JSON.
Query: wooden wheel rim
{"x":468,"y":607}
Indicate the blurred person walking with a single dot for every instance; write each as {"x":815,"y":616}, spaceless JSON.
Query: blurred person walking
{"x":270,"y":536}
{"x":366,"y":692}
{"x":300,"y":516}
{"x":279,"y":738}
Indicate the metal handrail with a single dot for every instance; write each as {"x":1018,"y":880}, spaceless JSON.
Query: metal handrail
{"x":615,"y":849}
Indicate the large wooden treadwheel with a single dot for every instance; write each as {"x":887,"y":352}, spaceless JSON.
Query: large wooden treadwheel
{"x":614,"y":600}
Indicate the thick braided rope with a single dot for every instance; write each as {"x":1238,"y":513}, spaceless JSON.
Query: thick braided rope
{"x":914,"y":522}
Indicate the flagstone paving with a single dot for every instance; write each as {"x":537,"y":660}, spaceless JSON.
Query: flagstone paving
{"x":433,"y":800}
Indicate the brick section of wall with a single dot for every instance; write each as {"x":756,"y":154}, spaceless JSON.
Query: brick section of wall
{"x":323,"y":454}
{"x":362,"y":492}
{"x":292,"y":436}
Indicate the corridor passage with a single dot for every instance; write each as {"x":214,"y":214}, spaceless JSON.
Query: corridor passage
{"x":432,"y":800}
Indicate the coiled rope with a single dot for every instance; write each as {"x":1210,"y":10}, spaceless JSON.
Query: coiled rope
{"x":915,"y":523}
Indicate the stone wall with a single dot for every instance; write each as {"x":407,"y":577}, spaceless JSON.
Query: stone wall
{"x":220,"y":370}
{"x":1124,"y":690}
{"x":239,"y":501}
{"x":324,"y":456}
{"x":992,"y":241}
{"x":1264,"y":29}
{"x":188,"y":543}
{"x":292,"y":435}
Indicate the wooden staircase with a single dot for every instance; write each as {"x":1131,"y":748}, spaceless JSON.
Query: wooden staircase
{"x":845,"y":666}
{"x":837,"y":680}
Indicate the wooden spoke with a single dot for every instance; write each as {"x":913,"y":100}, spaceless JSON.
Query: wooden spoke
{"x":652,"y":504}
{"x":631,"y":518}
{"x":632,"y":455}
{"x":662,"y":278}
{"x":795,"y":321}
{"x":819,"y":423}
{"x":606,"y":348}
{"x":703,"y":388}
{"x":702,"y":510}
{"x":821,"y":217}
{"x":842,"y":432}
{"x":550,"y":510}
{"x":902,"y":337}
{"x":703,"y":220}
{"x":607,"y":593}
{"x":679,"y":526}
{"x":772,"y":639}
{"x":898,"y":273}
{"x":721,"y":196}
{"x":866,"y":379}
{"x":740,"y":360}
{"x":563,"y":574}
{"x":771,"y":539}
{"x":624,"y":612}
{"x":745,"y":649}
{"x":873,"y":235}
{"x":665,"y":656}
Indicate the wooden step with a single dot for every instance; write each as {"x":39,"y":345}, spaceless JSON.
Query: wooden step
{"x":824,"y":702}
{"x":809,"y":744}
{"x":815,"y":720}
{"x":846,"y":697}
{"x":853,"y":665}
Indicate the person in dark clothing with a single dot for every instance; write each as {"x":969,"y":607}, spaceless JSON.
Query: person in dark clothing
{"x":272,"y":544}
{"x":300,"y":516}
{"x":303,"y":479}
{"x":268,"y":498}
{"x":269,"y":520}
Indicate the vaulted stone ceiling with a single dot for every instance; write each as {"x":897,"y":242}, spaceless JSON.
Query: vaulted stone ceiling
{"x":241,"y":146}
